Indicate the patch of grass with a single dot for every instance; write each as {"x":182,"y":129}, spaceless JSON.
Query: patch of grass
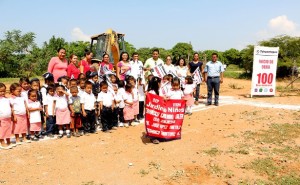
{"x":91,"y":183}
{"x":143,"y":172}
{"x":215,"y":169}
{"x":235,"y":86}
{"x":265,"y":166}
{"x":288,"y":152}
{"x":232,"y":74}
{"x":290,"y":179}
{"x":154,"y":165}
{"x":177,"y":174}
{"x":212,"y":152}
{"x":277,"y":134}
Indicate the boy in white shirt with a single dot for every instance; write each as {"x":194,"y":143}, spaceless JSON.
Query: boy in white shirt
{"x":88,"y":105}
{"x":106,"y":105}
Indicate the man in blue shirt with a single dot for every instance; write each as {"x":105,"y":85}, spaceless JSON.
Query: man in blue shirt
{"x":213,"y":76}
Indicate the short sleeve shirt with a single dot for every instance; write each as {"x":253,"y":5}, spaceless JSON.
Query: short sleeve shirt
{"x":75,"y":103}
{"x":213,"y":68}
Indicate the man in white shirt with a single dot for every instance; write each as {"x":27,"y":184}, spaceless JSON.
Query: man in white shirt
{"x":152,"y":62}
{"x":137,"y":69}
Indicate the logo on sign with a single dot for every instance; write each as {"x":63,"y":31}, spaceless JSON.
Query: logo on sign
{"x":265,"y":90}
{"x":271,"y":89}
{"x":255,"y":90}
{"x":261,"y":90}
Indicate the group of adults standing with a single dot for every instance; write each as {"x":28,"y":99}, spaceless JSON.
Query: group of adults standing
{"x":212,"y":73}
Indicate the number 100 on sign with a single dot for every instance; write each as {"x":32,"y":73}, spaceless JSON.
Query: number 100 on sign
{"x":265,"y":78}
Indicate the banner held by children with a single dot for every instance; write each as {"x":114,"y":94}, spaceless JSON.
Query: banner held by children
{"x":264,"y":71}
{"x":159,"y":71}
{"x":164,"y":118}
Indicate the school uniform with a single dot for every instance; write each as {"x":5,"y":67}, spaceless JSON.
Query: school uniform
{"x":188,"y":94}
{"x":21,"y":126}
{"x":128,"y":109}
{"x":120,"y":97}
{"x":106,"y":111}
{"x":141,"y":92}
{"x":76,"y":119}
{"x":5,"y":118}
{"x":88,"y":122}
{"x":51,"y":119}
{"x":62,"y":110}
{"x":175,"y":94}
{"x":35,"y":116}
{"x":135,"y":101}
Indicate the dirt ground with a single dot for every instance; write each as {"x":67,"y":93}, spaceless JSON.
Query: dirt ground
{"x":227,"y":144}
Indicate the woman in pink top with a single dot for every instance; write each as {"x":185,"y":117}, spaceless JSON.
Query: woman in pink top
{"x":73,"y":71}
{"x":123,"y":67}
{"x":85,"y":64}
{"x":105,"y":65}
{"x":58,"y":65}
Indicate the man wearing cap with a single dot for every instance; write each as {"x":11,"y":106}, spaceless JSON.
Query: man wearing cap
{"x":213,"y":76}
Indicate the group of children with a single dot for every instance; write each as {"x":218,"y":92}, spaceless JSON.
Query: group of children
{"x":80,"y":106}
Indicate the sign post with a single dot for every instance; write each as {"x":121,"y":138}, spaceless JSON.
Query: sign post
{"x":264,"y":71}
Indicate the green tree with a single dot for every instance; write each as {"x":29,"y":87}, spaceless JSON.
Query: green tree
{"x":247,"y":58}
{"x":182,"y":50}
{"x":232,"y":56}
{"x":144,"y":53}
{"x":129,"y":48}
{"x":14,"y":49}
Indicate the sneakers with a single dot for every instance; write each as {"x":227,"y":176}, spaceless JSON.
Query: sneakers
{"x":136,"y":121}
{"x":155,"y":141}
{"x":59,"y":136}
{"x":6,"y":147}
{"x":126,"y":125}
{"x":114,"y":128}
{"x":121,"y":124}
{"x":68,"y":135}
{"x":196,"y":102}
{"x":34,"y":138}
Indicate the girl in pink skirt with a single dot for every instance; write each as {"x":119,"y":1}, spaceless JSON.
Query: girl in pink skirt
{"x":62,"y":111}
{"x":34,"y":108}
{"x":188,"y":91}
{"x":128,"y":109}
{"x":19,"y":107}
{"x":5,"y":119}
{"x":135,"y":105}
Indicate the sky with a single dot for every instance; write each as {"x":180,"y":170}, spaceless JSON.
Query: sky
{"x":206,"y":24}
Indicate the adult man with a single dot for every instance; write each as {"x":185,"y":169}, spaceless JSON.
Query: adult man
{"x":152,"y":62}
{"x":136,"y":66}
{"x":193,"y":65}
{"x":213,"y":76}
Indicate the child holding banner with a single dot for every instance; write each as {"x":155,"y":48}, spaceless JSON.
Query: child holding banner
{"x":175,"y":93}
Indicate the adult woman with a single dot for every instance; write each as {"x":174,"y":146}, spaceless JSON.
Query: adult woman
{"x":86,"y":62}
{"x":123,"y":67}
{"x":168,"y":65}
{"x":193,"y":65}
{"x":181,"y":68}
{"x":105,"y":65}
{"x":73,"y":71}
{"x":58,"y":65}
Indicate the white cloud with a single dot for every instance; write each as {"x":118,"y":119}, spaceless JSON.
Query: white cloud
{"x":279,"y":25}
{"x":78,"y":35}
{"x":282,"y":24}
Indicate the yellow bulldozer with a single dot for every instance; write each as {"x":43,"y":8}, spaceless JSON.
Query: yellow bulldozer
{"x":111,"y":43}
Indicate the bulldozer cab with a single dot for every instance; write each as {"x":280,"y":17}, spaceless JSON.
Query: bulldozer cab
{"x":110,"y":43}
